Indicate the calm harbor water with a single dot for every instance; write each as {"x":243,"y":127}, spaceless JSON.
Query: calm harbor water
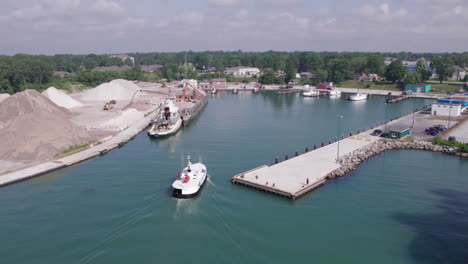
{"x":399,"y":207}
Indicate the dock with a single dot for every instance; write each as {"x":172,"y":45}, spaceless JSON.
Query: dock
{"x":397,"y":99}
{"x":296,"y":176}
{"x":287,"y":91}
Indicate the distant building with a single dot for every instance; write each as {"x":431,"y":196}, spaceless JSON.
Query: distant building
{"x":218,"y":84}
{"x":418,"y":88}
{"x":324,"y":86}
{"x":124,"y":57}
{"x":241,"y":71}
{"x":449,"y":106}
{"x":152,"y":68}
{"x":458,"y":73}
{"x":441,"y":109}
{"x":463,"y":101}
{"x":307,"y":75}
{"x":204,"y":85}
{"x":294,"y":81}
{"x":371,"y":77}
{"x":410,"y":66}
{"x":388,"y":60}
{"x":208,"y":70}
{"x":398,"y":132}
{"x":112,"y":68}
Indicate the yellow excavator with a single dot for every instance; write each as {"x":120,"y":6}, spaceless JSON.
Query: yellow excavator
{"x":109,"y":105}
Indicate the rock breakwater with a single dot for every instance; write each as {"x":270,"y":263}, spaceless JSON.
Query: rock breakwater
{"x":350,"y":161}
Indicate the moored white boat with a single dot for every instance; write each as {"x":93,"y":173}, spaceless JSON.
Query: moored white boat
{"x":334,"y":92}
{"x":214,"y":91}
{"x":358,"y":97}
{"x":190,"y":180}
{"x":311,"y":93}
{"x":168,"y":122}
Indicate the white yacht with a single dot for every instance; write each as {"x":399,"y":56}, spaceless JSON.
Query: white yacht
{"x":334,"y":92}
{"x":190,"y":180}
{"x":358,"y":97}
{"x":168,"y":122}
{"x":311,"y":93}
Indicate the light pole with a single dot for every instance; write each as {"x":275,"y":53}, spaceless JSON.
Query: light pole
{"x":450,"y":112}
{"x":339,"y":127}
{"x":386,"y":106}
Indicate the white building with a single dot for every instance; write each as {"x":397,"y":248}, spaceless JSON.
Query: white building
{"x":242,"y":71}
{"x":124,"y":57}
{"x":458,"y":73}
{"x":444,"y":109}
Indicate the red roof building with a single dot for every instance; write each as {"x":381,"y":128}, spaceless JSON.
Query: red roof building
{"x":325,"y":86}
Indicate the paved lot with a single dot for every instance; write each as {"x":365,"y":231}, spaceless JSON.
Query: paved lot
{"x":461,"y":132}
{"x":422,"y":121}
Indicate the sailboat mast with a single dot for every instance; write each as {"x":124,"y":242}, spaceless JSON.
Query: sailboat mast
{"x":185,"y":66}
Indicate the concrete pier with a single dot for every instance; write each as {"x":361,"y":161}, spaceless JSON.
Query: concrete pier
{"x":299,"y":175}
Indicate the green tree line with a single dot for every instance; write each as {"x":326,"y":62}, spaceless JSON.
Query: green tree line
{"x":36,"y":71}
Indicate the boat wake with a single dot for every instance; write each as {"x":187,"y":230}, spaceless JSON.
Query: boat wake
{"x":119,"y":230}
{"x":208,"y":178}
{"x":186,"y":207}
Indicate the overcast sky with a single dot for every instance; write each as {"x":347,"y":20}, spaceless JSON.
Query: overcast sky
{"x":119,"y":26}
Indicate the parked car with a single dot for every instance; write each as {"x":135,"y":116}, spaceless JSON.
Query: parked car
{"x":384,"y":135}
{"x":376,"y":132}
{"x":440,"y":127}
{"x":433,"y":133}
{"x":432,"y":129}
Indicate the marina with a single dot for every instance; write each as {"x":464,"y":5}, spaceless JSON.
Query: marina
{"x":128,"y":206}
{"x":232,"y":131}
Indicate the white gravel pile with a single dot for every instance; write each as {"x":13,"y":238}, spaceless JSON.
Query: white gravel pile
{"x":33,"y":128}
{"x":4,"y":96}
{"x":60,"y":98}
{"x":115,"y":90}
{"x":121,"y":122}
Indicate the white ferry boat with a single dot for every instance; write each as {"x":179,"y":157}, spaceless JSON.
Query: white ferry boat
{"x":168,"y":122}
{"x":190,"y":180}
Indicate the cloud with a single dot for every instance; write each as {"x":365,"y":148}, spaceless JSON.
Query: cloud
{"x":279,"y":2}
{"x":225,"y":3}
{"x":380,"y":13}
{"x":94,"y":26}
{"x":107,"y":7}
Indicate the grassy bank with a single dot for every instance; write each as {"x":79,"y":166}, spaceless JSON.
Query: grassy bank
{"x":370,"y":85}
{"x":443,"y":87}
{"x":454,"y":144}
{"x":72,"y":150}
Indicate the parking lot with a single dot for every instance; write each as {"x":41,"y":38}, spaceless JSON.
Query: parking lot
{"x":422,"y":121}
{"x":460,"y":133}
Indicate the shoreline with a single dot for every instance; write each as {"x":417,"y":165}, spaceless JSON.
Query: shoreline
{"x":351,"y":161}
{"x":343,"y":89}
{"x":108,"y":144}
{"x":316,"y":160}
{"x":43,"y":167}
